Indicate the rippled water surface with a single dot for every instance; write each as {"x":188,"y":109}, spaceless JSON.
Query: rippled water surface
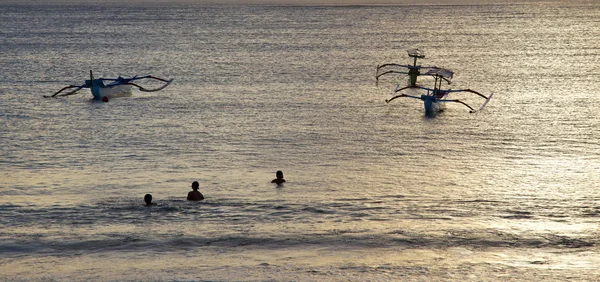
{"x":374,"y":191}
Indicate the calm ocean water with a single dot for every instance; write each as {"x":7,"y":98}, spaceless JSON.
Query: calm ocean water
{"x":375,"y":191}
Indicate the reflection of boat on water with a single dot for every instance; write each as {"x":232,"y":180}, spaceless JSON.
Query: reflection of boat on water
{"x":413,"y":71}
{"x":111,"y":87}
{"x":433,"y":99}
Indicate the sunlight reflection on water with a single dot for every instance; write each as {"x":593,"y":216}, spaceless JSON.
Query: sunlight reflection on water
{"x":375,"y":191}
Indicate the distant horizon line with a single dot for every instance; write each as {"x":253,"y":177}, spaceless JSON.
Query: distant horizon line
{"x":299,"y":3}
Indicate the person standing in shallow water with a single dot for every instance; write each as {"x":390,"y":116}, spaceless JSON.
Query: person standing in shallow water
{"x":148,"y":200}
{"x":279,"y":180}
{"x":195,"y":195}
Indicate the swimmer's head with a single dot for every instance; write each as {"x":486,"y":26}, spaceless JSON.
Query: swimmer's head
{"x":195,"y":185}
{"x":148,"y":199}
{"x":279,"y":174}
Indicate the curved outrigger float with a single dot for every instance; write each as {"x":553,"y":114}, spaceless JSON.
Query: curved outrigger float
{"x":105,"y":88}
{"x":433,"y":99}
{"x":413,"y":71}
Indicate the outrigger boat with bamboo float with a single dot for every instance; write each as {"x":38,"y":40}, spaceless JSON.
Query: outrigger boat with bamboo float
{"x":116,"y":87}
{"x":413,"y":71}
{"x":435,"y":96}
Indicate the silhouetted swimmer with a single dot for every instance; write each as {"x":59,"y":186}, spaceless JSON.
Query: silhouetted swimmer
{"x":195,"y":195}
{"x":279,"y":180}
{"x":148,"y":200}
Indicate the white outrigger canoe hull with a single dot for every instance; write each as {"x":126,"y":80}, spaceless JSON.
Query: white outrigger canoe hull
{"x":112,"y":91}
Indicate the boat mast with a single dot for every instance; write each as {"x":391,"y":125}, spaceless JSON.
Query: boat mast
{"x":414,"y":72}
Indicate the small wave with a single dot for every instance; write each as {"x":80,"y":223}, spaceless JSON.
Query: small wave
{"x":478,"y":201}
{"x":517,"y":215}
{"x":176,"y":240}
{"x":19,"y":248}
{"x":318,"y":210}
{"x":14,"y":116}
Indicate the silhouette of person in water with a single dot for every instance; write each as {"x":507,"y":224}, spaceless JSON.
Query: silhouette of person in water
{"x":148,"y":200}
{"x":279,"y":180}
{"x":195,"y":195}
